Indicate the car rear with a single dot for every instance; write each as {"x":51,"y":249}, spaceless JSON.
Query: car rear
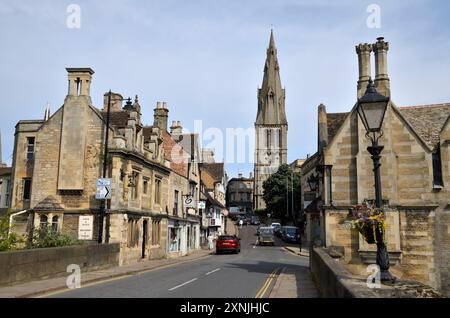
{"x":227,"y":243}
{"x":266,"y":236}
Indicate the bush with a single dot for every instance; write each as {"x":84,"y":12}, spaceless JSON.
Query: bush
{"x":45,"y":237}
{"x":8,"y":240}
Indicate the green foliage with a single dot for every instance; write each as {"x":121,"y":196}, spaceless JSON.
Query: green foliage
{"x":8,"y":240}
{"x":45,"y":237}
{"x":282,"y":193}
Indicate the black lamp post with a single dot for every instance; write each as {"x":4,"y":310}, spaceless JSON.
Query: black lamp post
{"x":372,"y":108}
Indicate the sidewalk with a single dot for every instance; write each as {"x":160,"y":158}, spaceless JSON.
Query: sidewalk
{"x":296,"y":250}
{"x":294,"y":284}
{"x":36,"y":288}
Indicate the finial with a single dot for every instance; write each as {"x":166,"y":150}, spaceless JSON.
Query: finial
{"x":370,"y":86}
{"x":136,"y":99}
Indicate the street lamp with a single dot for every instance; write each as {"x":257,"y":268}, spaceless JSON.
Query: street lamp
{"x":371,"y":109}
{"x":313,"y":182}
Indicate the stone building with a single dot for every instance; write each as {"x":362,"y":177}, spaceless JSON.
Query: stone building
{"x":240,"y":194}
{"x":415,"y":177}
{"x":57,"y":162}
{"x":213,"y":193}
{"x":271,"y":125}
{"x":5,"y":188}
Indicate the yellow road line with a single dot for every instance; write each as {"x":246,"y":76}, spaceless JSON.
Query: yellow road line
{"x":268,"y":282}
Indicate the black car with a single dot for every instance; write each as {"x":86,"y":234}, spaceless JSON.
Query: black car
{"x":290,"y":234}
{"x":255,"y":221}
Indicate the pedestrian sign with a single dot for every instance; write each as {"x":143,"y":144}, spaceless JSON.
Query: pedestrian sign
{"x":103,"y":189}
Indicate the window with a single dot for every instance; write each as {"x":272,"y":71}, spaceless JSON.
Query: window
{"x":437,"y":168}
{"x":26,"y":189}
{"x":280,"y":139}
{"x":43,"y":222}
{"x":55,"y":224}
{"x":175,"y":202}
{"x":156,"y":230}
{"x":133,"y":233}
{"x":145,"y":187}
{"x":158,"y":191}
{"x":30,"y":148}
{"x":268,"y":138}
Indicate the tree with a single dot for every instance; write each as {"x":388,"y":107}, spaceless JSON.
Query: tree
{"x":282,"y":194}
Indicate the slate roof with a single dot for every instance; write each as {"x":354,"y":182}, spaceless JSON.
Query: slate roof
{"x":427,"y":120}
{"x":117,"y":119}
{"x":335,"y":121}
{"x":49,"y":204}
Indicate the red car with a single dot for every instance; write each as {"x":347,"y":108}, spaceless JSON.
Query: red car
{"x":228,"y":243}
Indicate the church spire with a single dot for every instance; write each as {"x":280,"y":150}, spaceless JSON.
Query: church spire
{"x":271,"y":95}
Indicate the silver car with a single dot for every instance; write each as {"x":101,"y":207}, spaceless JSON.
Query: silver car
{"x":266,"y":236}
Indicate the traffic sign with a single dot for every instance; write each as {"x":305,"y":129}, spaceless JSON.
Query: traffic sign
{"x":201,"y":205}
{"x":103,"y":189}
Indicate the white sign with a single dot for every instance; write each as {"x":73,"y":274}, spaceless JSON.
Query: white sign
{"x":189,"y":202}
{"x":103,"y":189}
{"x":202,"y":205}
{"x":85,"y":227}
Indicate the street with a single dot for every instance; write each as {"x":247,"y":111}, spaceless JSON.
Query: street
{"x":246,"y":275}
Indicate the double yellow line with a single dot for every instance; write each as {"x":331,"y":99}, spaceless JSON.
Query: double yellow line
{"x":268,"y":282}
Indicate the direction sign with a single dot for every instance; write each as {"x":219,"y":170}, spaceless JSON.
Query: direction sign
{"x":201,"y":205}
{"x":103,"y":189}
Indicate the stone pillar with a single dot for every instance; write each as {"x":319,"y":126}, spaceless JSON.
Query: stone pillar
{"x":382,"y":83}
{"x":363,"y":51}
{"x":323,"y":127}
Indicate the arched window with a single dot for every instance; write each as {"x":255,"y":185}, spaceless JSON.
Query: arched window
{"x":55,"y":224}
{"x":43,"y":222}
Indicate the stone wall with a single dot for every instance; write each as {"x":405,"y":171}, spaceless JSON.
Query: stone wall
{"x":27,"y":265}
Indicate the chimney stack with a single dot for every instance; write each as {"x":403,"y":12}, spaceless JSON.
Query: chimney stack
{"x":80,"y":81}
{"x":322,"y":127}
{"x":363,"y":51}
{"x":161,"y":115}
{"x":382,"y":82}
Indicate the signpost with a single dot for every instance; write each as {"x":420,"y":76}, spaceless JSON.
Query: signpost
{"x":85,"y":227}
{"x":103,"y":189}
{"x":189,"y":202}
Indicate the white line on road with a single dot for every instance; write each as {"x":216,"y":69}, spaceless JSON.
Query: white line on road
{"x":216,"y":270}
{"x":192,"y":280}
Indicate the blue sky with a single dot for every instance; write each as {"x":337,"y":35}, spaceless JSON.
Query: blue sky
{"x":205,"y":58}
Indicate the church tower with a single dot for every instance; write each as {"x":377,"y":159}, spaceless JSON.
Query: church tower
{"x":271,"y":125}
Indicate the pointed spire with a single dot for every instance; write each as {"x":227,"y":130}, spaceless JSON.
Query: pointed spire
{"x":47,"y":112}
{"x":271,"y":96}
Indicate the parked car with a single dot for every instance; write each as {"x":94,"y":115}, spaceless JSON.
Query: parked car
{"x":255,"y":221}
{"x":266,"y":236}
{"x":276,"y":228}
{"x":228,"y":243}
{"x":247,"y":220}
{"x":290,"y":234}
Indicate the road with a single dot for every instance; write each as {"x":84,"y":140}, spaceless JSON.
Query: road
{"x":246,"y":275}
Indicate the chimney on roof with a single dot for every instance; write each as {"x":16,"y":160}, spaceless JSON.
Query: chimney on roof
{"x":363,"y":51}
{"x":322,"y":127}
{"x":80,"y":81}
{"x":208,"y":155}
{"x":251,"y":175}
{"x":47,"y":112}
{"x":240,"y":175}
{"x":161,"y":115}
{"x":116,"y":102}
{"x":176,"y":129}
{"x":382,"y":82}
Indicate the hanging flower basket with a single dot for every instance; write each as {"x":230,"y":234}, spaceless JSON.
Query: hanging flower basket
{"x":370,"y":223}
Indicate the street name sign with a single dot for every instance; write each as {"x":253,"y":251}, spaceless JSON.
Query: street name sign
{"x":103,"y":189}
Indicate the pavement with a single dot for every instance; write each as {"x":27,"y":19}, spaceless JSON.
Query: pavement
{"x":258,"y":271}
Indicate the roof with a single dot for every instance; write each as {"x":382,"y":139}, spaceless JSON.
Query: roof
{"x":5,"y":171}
{"x":427,"y":120}
{"x":49,"y":204}
{"x":213,"y":201}
{"x":215,"y":170}
{"x":334,"y":122}
{"x":117,"y":119}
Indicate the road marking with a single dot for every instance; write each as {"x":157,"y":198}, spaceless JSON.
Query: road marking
{"x":216,"y":270}
{"x":181,"y":285}
{"x":268,"y":282}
